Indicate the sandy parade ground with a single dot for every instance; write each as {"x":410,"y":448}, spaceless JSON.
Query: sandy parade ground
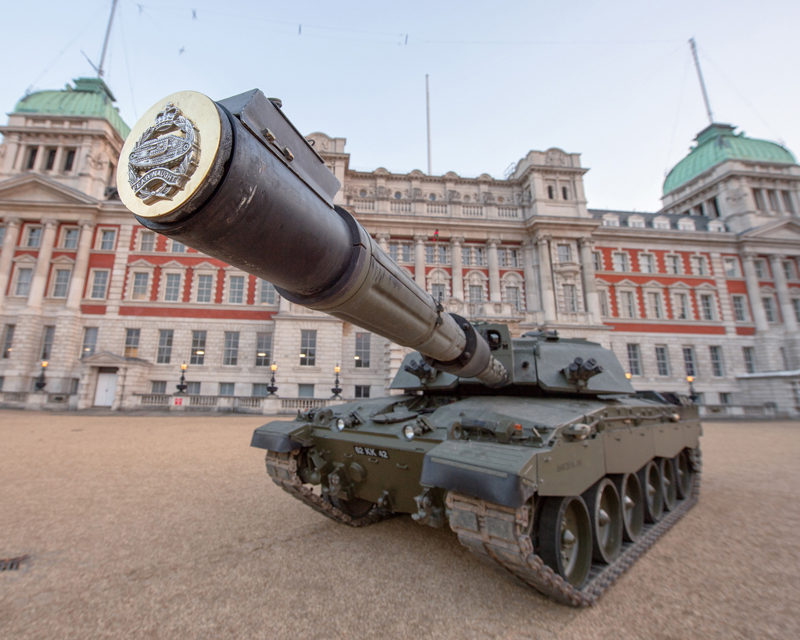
{"x":149,"y":526}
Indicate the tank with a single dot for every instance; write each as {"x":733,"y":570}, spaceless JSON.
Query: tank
{"x":535,"y":450}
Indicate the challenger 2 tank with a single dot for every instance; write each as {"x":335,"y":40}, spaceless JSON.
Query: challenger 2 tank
{"x":534,"y":450}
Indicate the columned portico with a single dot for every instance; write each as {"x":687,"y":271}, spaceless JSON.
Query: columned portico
{"x":754,"y":292}
{"x":42,"y":265}
{"x":787,"y":311}
{"x":7,"y":255}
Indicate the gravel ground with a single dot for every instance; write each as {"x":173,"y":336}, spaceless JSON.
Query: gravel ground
{"x":168,"y":527}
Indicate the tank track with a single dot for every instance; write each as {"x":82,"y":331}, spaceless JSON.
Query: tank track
{"x":282,"y":468}
{"x":502,"y":535}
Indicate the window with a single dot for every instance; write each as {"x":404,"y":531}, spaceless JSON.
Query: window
{"x":513,"y":258}
{"x":475,"y":293}
{"x":198,"y":354}
{"x":89,"y":343}
{"x":172,"y":287}
{"x":787,"y":201}
{"x":34,"y":237}
{"x":305,"y":390}
{"x":227,"y":388}
{"x":406,"y":253}
{"x":99,"y":283}
{"x":634,"y":360}
{"x":31,"y":161}
{"x":689,"y":361}
{"x":51,"y":160}
{"x":466,"y":256}
{"x":441,"y":254}
{"x":438,"y":291}
{"x":550,"y":191}
{"x":362,"y":391}
{"x":397,"y":195}
{"x":263,"y":349}
{"x":654,"y":302}
{"x":24,"y":277}
{"x":158,"y":386}
{"x":8,"y":340}
{"x":570,"y":299}
{"x":230,"y":355}
{"x":699,"y":266}
{"x":430,"y":256}
{"x":204,"y":288}
{"x":784,"y":358}
{"x":724,"y":398}
{"x":610,"y":221}
{"x":193,"y":388}
{"x":788,"y":270}
{"x":308,"y":347}
{"x":61,"y":283}
{"x":267,"y":293}
{"x":501,"y":257}
{"x":662,"y":360}
{"x":602,"y":296}
{"x":512,"y":297}
{"x":236,"y":290}
{"x":48,"y":335}
{"x":739,"y":309}
{"x":597,"y":260}
{"x":682,"y":310}
{"x":2,"y":235}
{"x":177,"y":247}
{"x":769,"y":309}
{"x":796,"y":307}
{"x":621,"y":262}
{"x":140,"y":281}
{"x":758,"y":196}
{"x":260,"y":390}
{"x":564,"y":193}
{"x":628,"y":304}
{"x":636,"y":223}
{"x":717,"y":366}
{"x":749,"y":354}
{"x":393,"y":251}
{"x":761,"y":269}
{"x":131,"y":343}
{"x":362,"y":350}
{"x":686,"y":225}
{"x":480,"y":256}
{"x":673,"y":265}
{"x":70,"y":239}
{"x":661,"y":223}
{"x":147,"y":241}
{"x":773,"y":200}
{"x":69,"y":159}
{"x":164,"y":353}
{"x":707,"y":306}
{"x":732,"y":267}
{"x":564,"y":253}
{"x":647,"y":263}
{"x":107,"y":238}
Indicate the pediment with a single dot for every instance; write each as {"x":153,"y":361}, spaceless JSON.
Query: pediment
{"x":63,"y":260}
{"x":141,"y":263}
{"x":783,"y":230}
{"x":204,"y":266}
{"x":41,"y":190}
{"x":108,"y":359}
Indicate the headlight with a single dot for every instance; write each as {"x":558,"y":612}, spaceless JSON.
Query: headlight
{"x":340,"y":424}
{"x":408,"y":432}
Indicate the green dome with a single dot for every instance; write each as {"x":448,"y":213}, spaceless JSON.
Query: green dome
{"x":718,"y":143}
{"x":90,"y":97}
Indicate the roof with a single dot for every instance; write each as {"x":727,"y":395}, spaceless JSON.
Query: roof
{"x":718,"y":143}
{"x":701,"y":223}
{"x":90,"y":97}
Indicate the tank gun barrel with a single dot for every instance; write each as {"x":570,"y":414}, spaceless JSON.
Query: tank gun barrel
{"x":236,"y":181}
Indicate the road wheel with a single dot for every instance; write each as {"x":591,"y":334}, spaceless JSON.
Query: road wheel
{"x":632,"y":500}
{"x":355,"y":507}
{"x":684,"y":475}
{"x":650,"y":479}
{"x":669,"y":483}
{"x":606,"y":517}
{"x":564,"y":536}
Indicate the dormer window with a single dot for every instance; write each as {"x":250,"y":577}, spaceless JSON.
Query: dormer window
{"x":661,"y":223}
{"x":610,"y":221}
{"x":686,"y":225}
{"x":716,"y":227}
{"x":636,"y":222}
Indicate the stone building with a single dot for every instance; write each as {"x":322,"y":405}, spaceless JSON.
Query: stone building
{"x":709,"y":286}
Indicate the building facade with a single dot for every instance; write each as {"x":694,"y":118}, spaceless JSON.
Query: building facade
{"x":708,"y":287}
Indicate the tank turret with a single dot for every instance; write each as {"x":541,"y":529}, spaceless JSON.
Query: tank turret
{"x":534,"y":450}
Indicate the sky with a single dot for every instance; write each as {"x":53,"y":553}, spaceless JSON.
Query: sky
{"x":613,"y":81}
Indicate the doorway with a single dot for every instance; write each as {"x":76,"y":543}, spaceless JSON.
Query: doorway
{"x":106,"y":387}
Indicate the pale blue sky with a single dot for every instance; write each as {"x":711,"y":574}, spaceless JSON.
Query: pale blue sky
{"x":613,"y":81}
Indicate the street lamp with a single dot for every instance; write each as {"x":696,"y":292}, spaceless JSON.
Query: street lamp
{"x":40,"y":381}
{"x":271,"y":386}
{"x":692,"y":394}
{"x":628,"y":376}
{"x":182,"y":386}
{"x":336,"y":389}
